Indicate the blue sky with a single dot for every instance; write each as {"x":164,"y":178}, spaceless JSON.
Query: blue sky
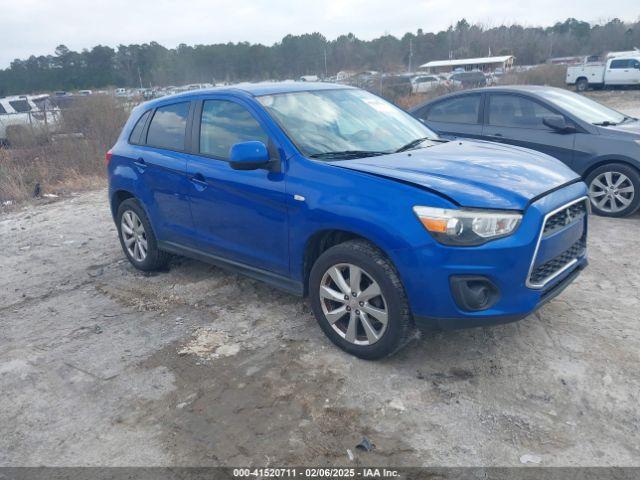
{"x":38,"y":26}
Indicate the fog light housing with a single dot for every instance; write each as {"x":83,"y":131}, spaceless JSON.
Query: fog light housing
{"x":474,"y":293}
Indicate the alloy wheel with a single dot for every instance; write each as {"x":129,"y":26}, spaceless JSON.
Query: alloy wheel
{"x":611,"y":192}
{"x":134,"y":236}
{"x":353,"y":304}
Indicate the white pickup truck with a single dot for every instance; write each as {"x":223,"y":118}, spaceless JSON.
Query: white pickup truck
{"x":618,"y":70}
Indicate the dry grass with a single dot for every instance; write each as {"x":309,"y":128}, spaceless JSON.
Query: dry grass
{"x":414,"y":99}
{"x":70,"y":160}
{"x":550,"y":75}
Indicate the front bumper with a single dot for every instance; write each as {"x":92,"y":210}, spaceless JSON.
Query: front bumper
{"x":507,"y":263}
{"x":455,"y":323}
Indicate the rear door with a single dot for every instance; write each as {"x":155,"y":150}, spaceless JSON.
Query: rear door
{"x":161,"y":161}
{"x":623,"y":71}
{"x":238,"y":215}
{"x":458,"y":116}
{"x":517,"y":120}
{"x":618,"y":71}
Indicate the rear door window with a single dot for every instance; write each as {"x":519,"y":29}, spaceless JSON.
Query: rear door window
{"x":225,"y":123}
{"x":620,"y":63}
{"x":516,"y":111}
{"x":463,"y":109}
{"x":136,"y":133}
{"x":168,"y":127}
{"x":2,"y":110}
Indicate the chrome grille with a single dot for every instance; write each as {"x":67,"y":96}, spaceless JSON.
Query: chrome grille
{"x":558,"y":220}
{"x":551,"y":267}
{"x":565,"y":217}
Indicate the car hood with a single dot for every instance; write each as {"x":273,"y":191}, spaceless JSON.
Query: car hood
{"x":624,"y":128}
{"x":474,"y":174}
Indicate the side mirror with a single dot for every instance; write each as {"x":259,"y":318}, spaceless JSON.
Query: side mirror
{"x":558,"y":122}
{"x":248,"y":156}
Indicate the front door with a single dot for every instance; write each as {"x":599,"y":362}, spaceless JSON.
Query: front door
{"x":238,"y":215}
{"x":517,"y":120}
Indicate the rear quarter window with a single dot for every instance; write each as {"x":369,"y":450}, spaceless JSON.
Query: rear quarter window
{"x":2,"y":110}
{"x":136,"y":134}
{"x":168,"y":127}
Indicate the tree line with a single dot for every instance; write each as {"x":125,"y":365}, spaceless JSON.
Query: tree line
{"x":309,"y":54}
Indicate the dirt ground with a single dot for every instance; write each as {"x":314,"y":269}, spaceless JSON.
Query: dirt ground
{"x":626,"y":101}
{"x":102,"y":365}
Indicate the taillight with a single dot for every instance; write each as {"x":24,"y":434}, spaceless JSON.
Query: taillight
{"x":107,"y":158}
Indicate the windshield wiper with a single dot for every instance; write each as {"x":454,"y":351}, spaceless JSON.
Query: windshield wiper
{"x":347,"y":154}
{"x":415,"y":143}
{"x":606,"y":123}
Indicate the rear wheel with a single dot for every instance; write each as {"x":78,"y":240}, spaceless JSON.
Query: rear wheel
{"x":137,"y":237}
{"x":614,"y":190}
{"x":359,"y":301}
{"x":582,"y":85}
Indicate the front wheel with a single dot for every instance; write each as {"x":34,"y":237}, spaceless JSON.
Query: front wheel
{"x":614,"y":190}
{"x":359,"y":301}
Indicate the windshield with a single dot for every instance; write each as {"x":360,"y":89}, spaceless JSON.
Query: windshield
{"x":344,"y":121}
{"x":582,"y":107}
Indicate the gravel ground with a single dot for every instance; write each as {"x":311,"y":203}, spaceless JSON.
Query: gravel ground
{"x":102,"y":365}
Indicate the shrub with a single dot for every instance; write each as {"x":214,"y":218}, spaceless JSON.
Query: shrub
{"x":551,"y":75}
{"x":70,"y":159}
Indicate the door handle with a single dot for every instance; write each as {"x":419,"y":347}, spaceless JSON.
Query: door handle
{"x":497,"y":136}
{"x":199,"y":181}
{"x":140,"y":162}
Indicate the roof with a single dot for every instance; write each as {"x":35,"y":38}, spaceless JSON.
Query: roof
{"x":466,"y":61}
{"x":266,"y":88}
{"x":534,"y":90}
{"x":252,"y":89}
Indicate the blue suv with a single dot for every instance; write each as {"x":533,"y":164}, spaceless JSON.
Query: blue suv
{"x":331,"y":192}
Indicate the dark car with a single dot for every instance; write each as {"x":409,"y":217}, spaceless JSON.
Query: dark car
{"x":599,"y":143}
{"x":471,"y":79}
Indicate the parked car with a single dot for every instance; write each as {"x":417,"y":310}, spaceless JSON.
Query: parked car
{"x":615,"y":71}
{"x":599,"y":143}
{"x":425,"y":83}
{"x":392,"y":86}
{"x":331,"y":192}
{"x":471,"y":79}
{"x":21,"y":113}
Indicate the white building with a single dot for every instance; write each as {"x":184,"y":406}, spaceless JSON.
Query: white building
{"x":489,"y":64}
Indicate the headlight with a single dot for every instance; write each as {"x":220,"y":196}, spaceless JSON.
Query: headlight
{"x":467,"y":227}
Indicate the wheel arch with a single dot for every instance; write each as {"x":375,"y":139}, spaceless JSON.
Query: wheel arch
{"x":606,"y":160}
{"x":117,"y":198}
{"x":321,"y":241}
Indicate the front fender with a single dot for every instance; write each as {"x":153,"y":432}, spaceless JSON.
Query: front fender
{"x":377,"y":209}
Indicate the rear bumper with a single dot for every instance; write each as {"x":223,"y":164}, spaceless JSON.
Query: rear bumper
{"x":426,"y":272}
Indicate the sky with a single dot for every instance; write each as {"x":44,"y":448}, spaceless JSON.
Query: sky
{"x":36,"y":27}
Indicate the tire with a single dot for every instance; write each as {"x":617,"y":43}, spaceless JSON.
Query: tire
{"x":376,"y":270}
{"x":624,"y":199}
{"x":153,"y":259}
{"x":582,"y":85}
